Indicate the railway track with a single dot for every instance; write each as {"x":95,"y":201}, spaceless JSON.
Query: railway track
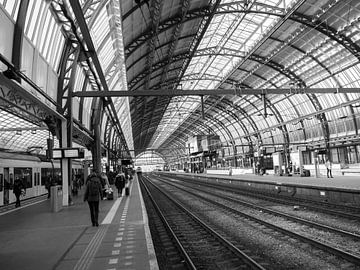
{"x":346,"y":211}
{"x":200,"y":246}
{"x":291,"y":223}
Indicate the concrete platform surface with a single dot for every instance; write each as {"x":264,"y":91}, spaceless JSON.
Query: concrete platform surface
{"x":32,"y":237}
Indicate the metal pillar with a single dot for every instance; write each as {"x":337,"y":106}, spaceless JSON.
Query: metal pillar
{"x":97,"y":149}
{"x":64,"y":165}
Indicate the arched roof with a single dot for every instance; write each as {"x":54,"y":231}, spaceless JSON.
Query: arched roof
{"x":255,"y":44}
{"x":147,"y":45}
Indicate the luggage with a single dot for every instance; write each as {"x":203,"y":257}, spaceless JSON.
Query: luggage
{"x":127,"y":191}
{"x":109,"y":194}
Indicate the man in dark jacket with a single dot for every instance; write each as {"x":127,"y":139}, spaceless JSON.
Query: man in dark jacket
{"x":93,"y":194}
{"x":18,"y":189}
{"x":120,"y":182}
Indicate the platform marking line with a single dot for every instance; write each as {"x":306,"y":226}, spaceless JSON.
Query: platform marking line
{"x":113,"y":261}
{"x":88,"y":255}
{"x":21,"y":207}
{"x":115,"y":252}
{"x":110,"y":215}
{"x":150,"y":247}
{"x":118,"y":240}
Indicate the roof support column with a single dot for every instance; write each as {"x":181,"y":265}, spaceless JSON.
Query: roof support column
{"x":67,"y":133}
{"x":19,"y":35}
{"x":96,"y":127}
{"x":96,"y":149}
{"x":65,"y":165}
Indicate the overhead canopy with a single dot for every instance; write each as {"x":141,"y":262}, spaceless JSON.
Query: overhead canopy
{"x":198,"y":45}
{"x":192,"y":45}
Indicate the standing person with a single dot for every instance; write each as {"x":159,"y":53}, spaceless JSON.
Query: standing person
{"x":120,"y":182}
{"x":6,"y":192}
{"x":93,"y":194}
{"x":48,"y":185}
{"x":18,"y":189}
{"x":328,"y":165}
{"x":105,"y":183}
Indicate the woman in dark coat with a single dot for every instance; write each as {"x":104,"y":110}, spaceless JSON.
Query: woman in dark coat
{"x":93,"y":194}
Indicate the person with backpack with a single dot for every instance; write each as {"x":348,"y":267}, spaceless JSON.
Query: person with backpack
{"x":120,"y":182}
{"x":93,"y":194}
{"x":19,"y":189}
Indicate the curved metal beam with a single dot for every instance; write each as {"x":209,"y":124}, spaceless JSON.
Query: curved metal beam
{"x":163,"y":26}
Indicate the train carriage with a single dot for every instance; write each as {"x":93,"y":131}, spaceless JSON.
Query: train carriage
{"x":32,"y":171}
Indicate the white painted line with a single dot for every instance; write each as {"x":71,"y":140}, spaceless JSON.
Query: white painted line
{"x":21,"y":207}
{"x":150,"y":247}
{"x":116,"y":245}
{"x":118,"y":239}
{"x":115,"y":252}
{"x":110,"y":216}
{"x":113,"y":261}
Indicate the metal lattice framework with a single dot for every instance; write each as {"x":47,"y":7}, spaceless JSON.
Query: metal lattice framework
{"x":278,"y":72}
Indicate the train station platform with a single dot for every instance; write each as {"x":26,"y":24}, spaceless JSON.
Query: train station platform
{"x":33,"y":237}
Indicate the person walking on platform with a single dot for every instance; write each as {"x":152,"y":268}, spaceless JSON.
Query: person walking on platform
{"x":120,"y":182}
{"x":93,"y":194}
{"x":19,"y":189}
{"x":328,"y":165}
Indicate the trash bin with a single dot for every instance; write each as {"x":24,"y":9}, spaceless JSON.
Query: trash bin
{"x":56,"y":198}
{"x":306,"y":173}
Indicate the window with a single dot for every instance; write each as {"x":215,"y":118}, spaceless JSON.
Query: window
{"x":45,"y":174}
{"x":25,"y":176}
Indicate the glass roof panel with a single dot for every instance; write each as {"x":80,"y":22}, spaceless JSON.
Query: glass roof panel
{"x":11,"y":6}
{"x":236,"y":30}
{"x":19,"y":135}
{"x":107,"y":36}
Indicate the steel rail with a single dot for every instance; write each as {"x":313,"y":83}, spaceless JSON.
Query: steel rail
{"x":333,"y":250}
{"x":274,"y":212}
{"x":244,"y":257}
{"x":310,"y":204}
{"x":187,"y":258}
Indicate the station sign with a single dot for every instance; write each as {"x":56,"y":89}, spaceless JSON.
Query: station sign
{"x":58,"y":153}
